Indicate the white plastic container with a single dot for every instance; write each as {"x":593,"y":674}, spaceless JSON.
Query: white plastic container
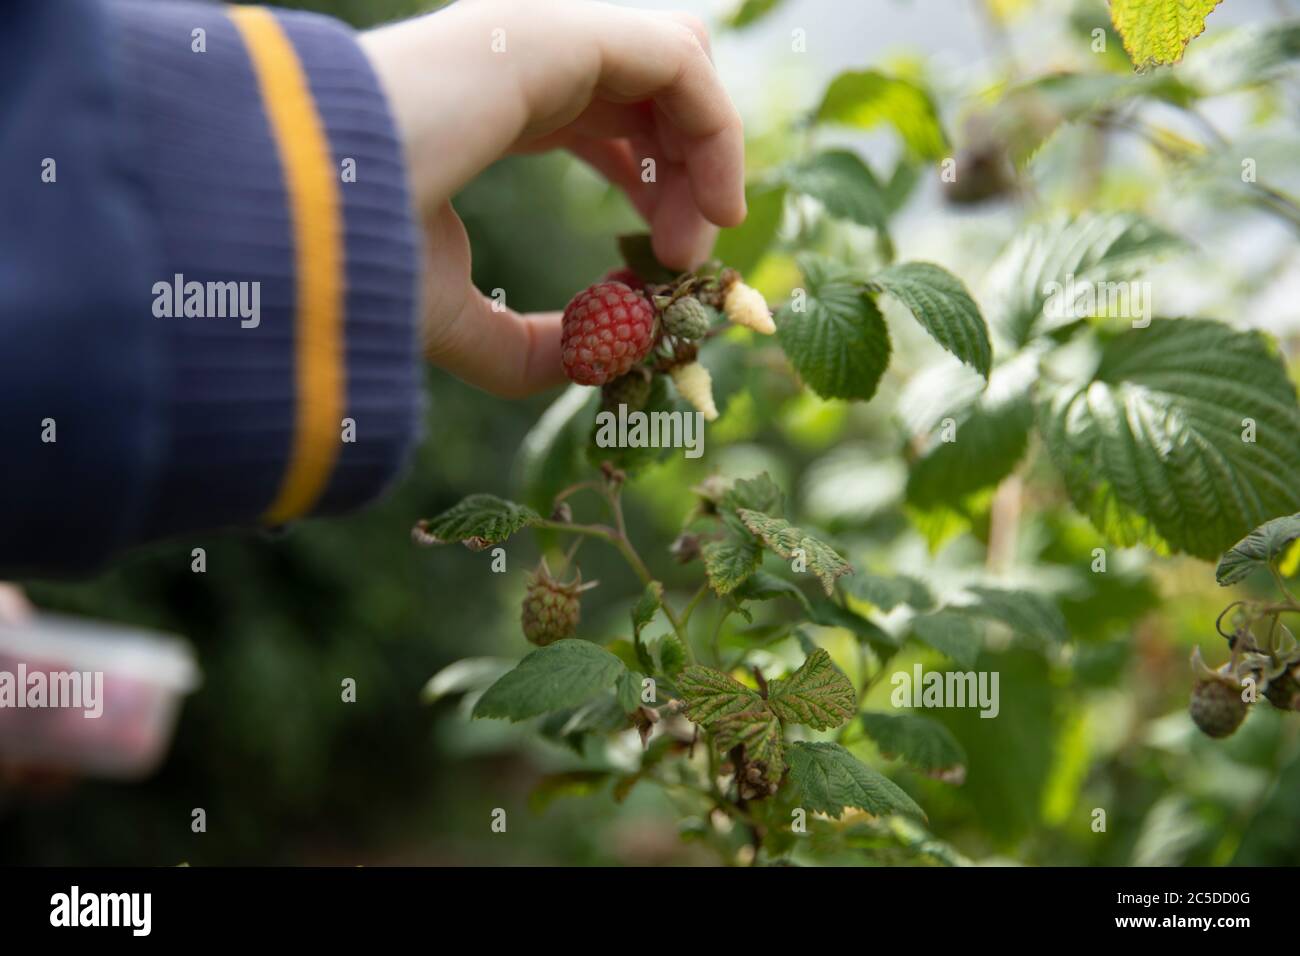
{"x":134,"y":679}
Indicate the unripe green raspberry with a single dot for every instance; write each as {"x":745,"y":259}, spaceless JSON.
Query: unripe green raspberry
{"x":632,"y":390}
{"x":687,"y":318}
{"x":551,"y":610}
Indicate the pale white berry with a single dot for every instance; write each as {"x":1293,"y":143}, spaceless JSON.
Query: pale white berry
{"x":695,"y":384}
{"x":746,"y":306}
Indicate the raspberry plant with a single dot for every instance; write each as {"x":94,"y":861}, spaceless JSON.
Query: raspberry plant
{"x":1172,"y":436}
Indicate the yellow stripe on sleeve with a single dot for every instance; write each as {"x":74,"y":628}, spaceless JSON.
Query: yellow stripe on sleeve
{"x":315,"y":211}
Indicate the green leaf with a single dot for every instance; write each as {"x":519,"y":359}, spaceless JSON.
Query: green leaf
{"x":761,"y":586}
{"x":938,"y":300}
{"x":1158,"y":31}
{"x":729,"y":562}
{"x":476,"y":522}
{"x":990,"y":438}
{"x":748,"y":12}
{"x":844,"y":184}
{"x":924,"y":743}
{"x":638,"y":253}
{"x":743,"y":247}
{"x":817,"y":695}
{"x":836,"y":337}
{"x":669,"y":654}
{"x":868,"y":98}
{"x":550,"y":456}
{"x":1024,"y":612}
{"x":826,"y":613}
{"x":1258,"y":549}
{"x":567,"y":673}
{"x":760,"y":733}
{"x":828,"y":778}
{"x":710,"y":694}
{"x":1092,"y":249}
{"x":784,"y":539}
{"x":887,"y":592}
{"x":951,"y":633}
{"x":1152,"y":446}
{"x":759,"y":493}
{"x":644,"y":610}
{"x":627,"y":688}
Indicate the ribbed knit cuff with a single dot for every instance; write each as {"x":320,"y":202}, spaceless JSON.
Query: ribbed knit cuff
{"x":269,"y":158}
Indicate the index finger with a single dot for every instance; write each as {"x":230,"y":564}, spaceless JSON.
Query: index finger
{"x":648,"y":56}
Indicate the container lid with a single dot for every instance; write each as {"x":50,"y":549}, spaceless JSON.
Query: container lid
{"x":84,"y":644}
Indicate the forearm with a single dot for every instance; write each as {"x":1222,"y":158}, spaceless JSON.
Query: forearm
{"x":224,"y":157}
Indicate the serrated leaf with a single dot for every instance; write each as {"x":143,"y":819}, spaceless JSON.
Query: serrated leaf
{"x":1152,"y":447}
{"x":644,"y":610}
{"x":1258,"y":549}
{"x":784,"y":539}
{"x":1024,"y":612}
{"x":951,"y":633}
{"x":627,"y":688}
{"x":568,"y":673}
{"x":887,"y":592}
{"x":711,"y":694}
{"x":990,"y":437}
{"x":1043,"y":257}
{"x":843,"y":184}
{"x":638,"y":254}
{"x":838,"y":341}
{"x":828,"y":779}
{"x":760,"y":733}
{"x":669,"y":654}
{"x":476,"y":522}
{"x":761,"y":586}
{"x":744,"y":246}
{"x":924,"y":743}
{"x":759,"y":493}
{"x":817,"y":695}
{"x":729,"y":562}
{"x":868,"y":98}
{"x":1158,"y":31}
{"x":826,"y":613}
{"x":939,"y":301}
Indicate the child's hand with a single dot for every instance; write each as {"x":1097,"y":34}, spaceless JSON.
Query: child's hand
{"x":614,"y":86}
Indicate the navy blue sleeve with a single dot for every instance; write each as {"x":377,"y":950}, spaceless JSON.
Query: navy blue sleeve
{"x":208,"y":269}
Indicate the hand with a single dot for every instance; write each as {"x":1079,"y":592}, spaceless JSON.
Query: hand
{"x":14,"y":606}
{"x":614,"y":86}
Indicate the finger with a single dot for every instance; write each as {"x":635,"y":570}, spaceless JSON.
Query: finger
{"x":665,"y":60}
{"x":694,"y":24}
{"x":500,"y":350}
{"x":616,"y":161}
{"x":603,"y":119}
{"x":681,"y":236}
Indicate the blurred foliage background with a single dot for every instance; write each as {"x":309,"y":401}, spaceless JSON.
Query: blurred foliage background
{"x":289,"y":774}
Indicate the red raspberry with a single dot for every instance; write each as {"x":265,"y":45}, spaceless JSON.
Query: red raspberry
{"x":607,"y":329}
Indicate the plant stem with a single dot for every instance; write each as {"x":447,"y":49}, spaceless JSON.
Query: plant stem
{"x":616,"y":539}
{"x":693,"y":603}
{"x":1281,"y":584}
